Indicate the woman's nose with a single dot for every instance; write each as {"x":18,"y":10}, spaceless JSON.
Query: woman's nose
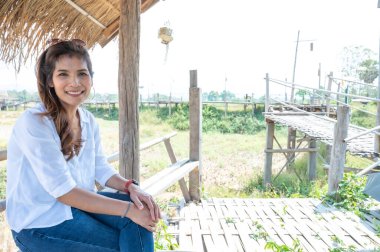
{"x":75,"y":82}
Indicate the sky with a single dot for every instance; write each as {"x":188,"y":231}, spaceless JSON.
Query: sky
{"x":233,"y":44}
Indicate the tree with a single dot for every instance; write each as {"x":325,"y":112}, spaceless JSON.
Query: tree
{"x":213,"y":96}
{"x":302,"y":94}
{"x":369,"y":70}
{"x":352,"y":57}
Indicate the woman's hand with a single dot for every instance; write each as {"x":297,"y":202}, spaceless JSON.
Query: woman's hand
{"x":142,"y":217}
{"x":144,"y":200}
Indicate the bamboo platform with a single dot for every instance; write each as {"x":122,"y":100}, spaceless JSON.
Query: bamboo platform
{"x":323,"y":130}
{"x":248,"y":224}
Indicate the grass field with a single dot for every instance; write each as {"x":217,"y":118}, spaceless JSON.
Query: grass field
{"x":232,"y":164}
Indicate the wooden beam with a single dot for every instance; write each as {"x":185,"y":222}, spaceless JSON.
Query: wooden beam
{"x":312,"y":166}
{"x":147,"y":4}
{"x":268,"y":155}
{"x":338,"y":152}
{"x":173,"y":159}
{"x":129,"y":43}
{"x":111,"y":28}
{"x":195,"y":116}
{"x":291,"y":150}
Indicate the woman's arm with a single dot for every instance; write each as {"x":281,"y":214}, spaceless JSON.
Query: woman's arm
{"x":138,"y":196}
{"x":95,"y":203}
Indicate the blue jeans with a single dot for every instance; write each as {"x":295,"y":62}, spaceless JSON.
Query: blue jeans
{"x":88,"y":232}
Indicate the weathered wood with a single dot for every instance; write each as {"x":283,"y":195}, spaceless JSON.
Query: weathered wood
{"x":167,"y":177}
{"x":268,"y":154}
{"x":328,"y":95}
{"x":338,"y":152}
{"x":115,"y":156}
{"x":291,"y":144}
{"x":312,"y":167}
{"x":195,"y":115}
{"x":376,"y":140}
{"x":129,"y":40}
{"x":247,"y":225}
{"x":3,"y":155}
{"x":292,"y":150}
{"x":173,"y":159}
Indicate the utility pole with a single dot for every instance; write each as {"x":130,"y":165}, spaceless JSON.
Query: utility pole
{"x":294,"y":68}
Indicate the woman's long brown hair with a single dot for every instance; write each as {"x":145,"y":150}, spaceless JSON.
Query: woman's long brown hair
{"x":54,"y":109}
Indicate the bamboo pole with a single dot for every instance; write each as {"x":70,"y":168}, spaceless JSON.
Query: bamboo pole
{"x":129,"y":40}
{"x":268,"y":153}
{"x":338,"y":152}
{"x":195,"y":116}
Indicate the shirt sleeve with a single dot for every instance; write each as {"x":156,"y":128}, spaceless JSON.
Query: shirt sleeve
{"x":35,"y":136}
{"x":103,"y":170}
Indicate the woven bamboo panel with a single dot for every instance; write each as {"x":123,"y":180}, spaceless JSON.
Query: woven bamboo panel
{"x":323,"y":130}
{"x":249,"y":224}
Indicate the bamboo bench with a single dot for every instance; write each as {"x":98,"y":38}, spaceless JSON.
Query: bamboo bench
{"x":161,"y":180}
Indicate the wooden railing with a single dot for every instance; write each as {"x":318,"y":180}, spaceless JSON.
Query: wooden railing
{"x":161,"y":180}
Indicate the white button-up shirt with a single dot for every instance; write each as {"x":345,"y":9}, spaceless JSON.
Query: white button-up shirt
{"x":38,"y":173}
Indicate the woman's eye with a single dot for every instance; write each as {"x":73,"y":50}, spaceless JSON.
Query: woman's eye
{"x":83,"y":74}
{"x":62,"y":74}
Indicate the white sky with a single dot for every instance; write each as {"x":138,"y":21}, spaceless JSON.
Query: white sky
{"x":240,"y":40}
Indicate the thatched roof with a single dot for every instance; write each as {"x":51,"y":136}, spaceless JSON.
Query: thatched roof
{"x":26,"y":25}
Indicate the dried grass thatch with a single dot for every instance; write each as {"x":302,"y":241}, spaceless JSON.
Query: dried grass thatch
{"x":26,"y":25}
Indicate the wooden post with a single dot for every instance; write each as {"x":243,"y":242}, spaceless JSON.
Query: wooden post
{"x":338,"y":96}
{"x":266,"y":93}
{"x":129,"y":40}
{"x":338,"y":152}
{"x":158,"y":101}
{"x":292,"y":135}
{"x":377,"y":137}
{"x":268,"y":155}
{"x":170,"y":104}
{"x":312,"y":167}
{"x":328,"y":95}
{"x":195,"y":116}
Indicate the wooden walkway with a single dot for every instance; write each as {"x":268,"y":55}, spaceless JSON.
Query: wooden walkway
{"x":323,"y":129}
{"x":248,"y":224}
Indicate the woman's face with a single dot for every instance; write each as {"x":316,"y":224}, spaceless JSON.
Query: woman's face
{"x":71,"y":81}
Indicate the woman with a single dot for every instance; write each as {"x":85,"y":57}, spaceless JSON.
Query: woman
{"x":55,"y":157}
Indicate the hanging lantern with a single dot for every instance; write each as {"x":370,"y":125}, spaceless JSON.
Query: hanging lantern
{"x":165,"y":34}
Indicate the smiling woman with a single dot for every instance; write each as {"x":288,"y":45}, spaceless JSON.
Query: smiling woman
{"x":56,"y":156}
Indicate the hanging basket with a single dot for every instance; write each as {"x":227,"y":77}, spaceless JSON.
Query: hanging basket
{"x":165,"y":34}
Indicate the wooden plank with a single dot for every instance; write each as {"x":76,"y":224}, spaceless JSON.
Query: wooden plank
{"x":185,"y":242}
{"x":217,"y":225}
{"x":195,"y":229}
{"x":115,"y":156}
{"x":155,"y":186}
